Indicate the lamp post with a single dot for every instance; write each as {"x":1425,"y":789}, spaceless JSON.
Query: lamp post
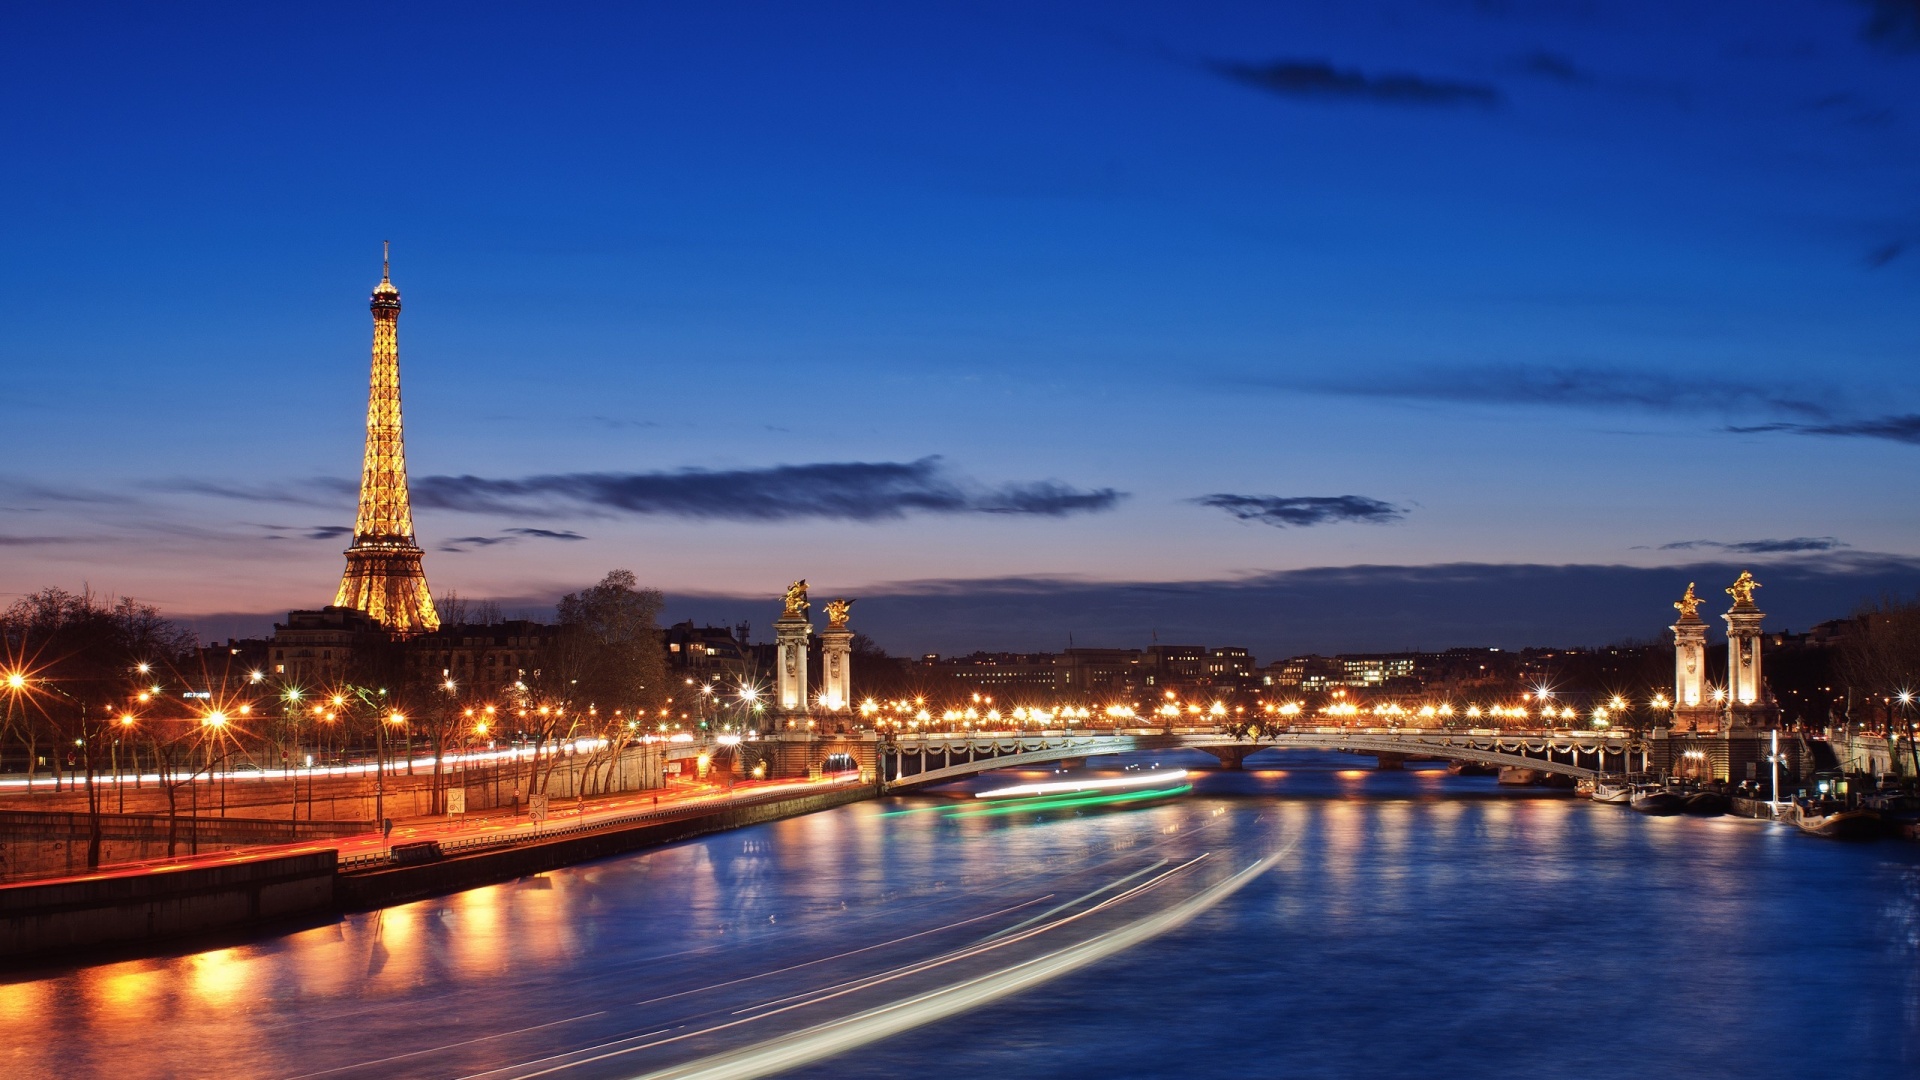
{"x":127,"y":721}
{"x":1660,"y":704}
{"x":1906,"y":715}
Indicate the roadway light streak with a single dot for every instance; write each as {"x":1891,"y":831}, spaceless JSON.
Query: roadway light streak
{"x":633,"y":1044}
{"x":839,"y":1036}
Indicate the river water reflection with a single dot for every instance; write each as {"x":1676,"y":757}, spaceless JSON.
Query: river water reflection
{"x":1409,"y":923}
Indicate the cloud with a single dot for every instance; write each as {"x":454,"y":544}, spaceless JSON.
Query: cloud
{"x":1304,"y":511}
{"x":1581,"y":387}
{"x":460,"y":544}
{"x":1553,"y":66}
{"x":848,"y":491}
{"x":1317,"y":79}
{"x":36,"y":541}
{"x":1798,"y":544}
{"x":1892,"y":24}
{"x":1901,"y":428}
{"x":1333,"y":609}
{"x":329,"y":532}
{"x":322,"y":491}
{"x":512,"y":536}
{"x":1885,"y":254}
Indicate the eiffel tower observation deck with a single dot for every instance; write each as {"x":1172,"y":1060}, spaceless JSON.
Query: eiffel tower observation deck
{"x":384,"y":577}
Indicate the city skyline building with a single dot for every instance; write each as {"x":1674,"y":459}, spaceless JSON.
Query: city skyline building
{"x":384,"y":576}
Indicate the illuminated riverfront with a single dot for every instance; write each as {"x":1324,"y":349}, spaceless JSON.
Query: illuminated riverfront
{"x":970,"y":540}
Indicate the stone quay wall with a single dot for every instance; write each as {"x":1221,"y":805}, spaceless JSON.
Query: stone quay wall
{"x":50,"y":920}
{"x":36,"y":844}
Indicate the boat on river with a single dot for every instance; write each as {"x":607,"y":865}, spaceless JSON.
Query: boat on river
{"x":1705,"y":804}
{"x":1617,"y":792}
{"x":1656,"y":800}
{"x":1899,"y":813}
{"x":1080,"y":794}
{"x":1836,"y":821}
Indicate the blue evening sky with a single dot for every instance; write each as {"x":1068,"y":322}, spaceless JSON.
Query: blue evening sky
{"x":1006,"y":317}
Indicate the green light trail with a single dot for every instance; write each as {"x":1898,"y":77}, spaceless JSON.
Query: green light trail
{"x":1053,"y":802}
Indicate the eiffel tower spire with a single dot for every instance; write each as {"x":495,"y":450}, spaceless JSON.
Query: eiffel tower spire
{"x":384,"y":577}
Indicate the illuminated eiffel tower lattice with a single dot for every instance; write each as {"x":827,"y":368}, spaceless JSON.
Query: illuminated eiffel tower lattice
{"x":384,"y":577}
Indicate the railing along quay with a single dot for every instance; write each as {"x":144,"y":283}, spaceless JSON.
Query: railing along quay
{"x":467,"y":845}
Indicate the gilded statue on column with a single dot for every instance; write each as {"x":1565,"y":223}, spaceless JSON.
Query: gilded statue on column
{"x":797,"y":600}
{"x":1742,"y":589}
{"x":1687,"y":604}
{"x":837,"y":613}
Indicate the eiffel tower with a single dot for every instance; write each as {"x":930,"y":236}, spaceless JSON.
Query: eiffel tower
{"x":384,"y":577}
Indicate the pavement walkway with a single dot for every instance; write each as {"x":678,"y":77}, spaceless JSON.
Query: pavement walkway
{"x":690,"y":797}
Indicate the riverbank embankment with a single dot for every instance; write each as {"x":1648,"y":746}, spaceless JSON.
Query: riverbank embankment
{"x":146,"y":911}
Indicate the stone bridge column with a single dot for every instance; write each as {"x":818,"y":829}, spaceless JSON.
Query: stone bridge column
{"x":790,"y":634}
{"x":1386,"y":762}
{"x":1232,"y":757}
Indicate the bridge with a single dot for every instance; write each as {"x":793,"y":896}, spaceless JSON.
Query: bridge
{"x":910,"y":761}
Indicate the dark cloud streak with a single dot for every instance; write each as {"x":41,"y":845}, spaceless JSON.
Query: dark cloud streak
{"x":1892,"y":24}
{"x":1579,"y":387}
{"x":1796,"y":545}
{"x":1902,"y":428}
{"x":848,"y":491}
{"x":1319,"y":80}
{"x":1304,"y":511}
{"x":1885,"y":254}
{"x":461,"y":544}
{"x":1554,"y":66}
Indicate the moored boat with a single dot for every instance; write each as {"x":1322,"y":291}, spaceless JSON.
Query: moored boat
{"x":1899,"y":813}
{"x":1706,"y":804}
{"x":1657,"y":800}
{"x":1837,"y":821}
{"x":1616,"y":792}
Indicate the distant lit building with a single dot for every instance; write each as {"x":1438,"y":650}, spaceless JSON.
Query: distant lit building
{"x":1103,"y":671}
{"x":708,"y":650}
{"x":486,"y":657}
{"x":315,"y":647}
{"x":1003,"y":673}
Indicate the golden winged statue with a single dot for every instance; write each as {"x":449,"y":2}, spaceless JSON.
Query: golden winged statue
{"x":1687,"y":604}
{"x":797,"y":600}
{"x":837,"y":613}
{"x":1742,"y":589}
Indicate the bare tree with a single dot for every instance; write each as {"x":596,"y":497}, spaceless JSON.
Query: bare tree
{"x":1880,"y":661}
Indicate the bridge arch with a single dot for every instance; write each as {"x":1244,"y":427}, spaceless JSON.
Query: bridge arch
{"x":911,"y":764}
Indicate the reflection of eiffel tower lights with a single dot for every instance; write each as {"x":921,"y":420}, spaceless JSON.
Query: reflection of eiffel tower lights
{"x":384,"y":577}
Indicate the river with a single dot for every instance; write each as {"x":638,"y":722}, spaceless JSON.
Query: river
{"x":1303,"y":918}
